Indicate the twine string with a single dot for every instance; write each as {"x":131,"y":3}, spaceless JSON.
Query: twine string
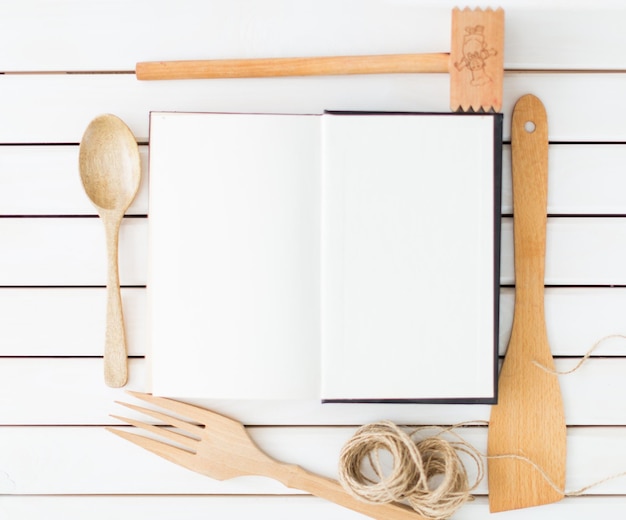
{"x":582,"y":361}
{"x":576,"y":367}
{"x":417,"y":465}
{"x":551,"y":482}
{"x":428,"y":474}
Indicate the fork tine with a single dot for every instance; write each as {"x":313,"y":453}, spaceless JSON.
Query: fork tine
{"x":164,"y":432}
{"x":188,"y":410}
{"x":193,"y":429}
{"x":168,"y":452}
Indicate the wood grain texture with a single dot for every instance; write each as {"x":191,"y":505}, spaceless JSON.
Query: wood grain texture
{"x":476,"y":60}
{"x":221,"y":448}
{"x":475,"y":63}
{"x":281,"y":67}
{"x":529,"y":419}
{"x":110,"y":170}
{"x":72,"y":471}
{"x":115,"y":350}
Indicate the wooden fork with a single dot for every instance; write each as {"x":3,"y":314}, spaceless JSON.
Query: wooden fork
{"x":220,"y":448}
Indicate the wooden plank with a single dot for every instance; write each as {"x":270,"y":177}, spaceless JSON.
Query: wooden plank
{"x":201,"y":507}
{"x":61,"y":390}
{"x":69,"y":251}
{"x":69,"y":321}
{"x":534,"y":31}
{"x":67,"y":102}
{"x":73,"y":100}
{"x":538,"y":36}
{"x":580,"y":251}
{"x":576,"y":319}
{"x":195,"y":507}
{"x":560,"y":93}
{"x":582,"y":179}
{"x":44,"y":180}
{"x":90,"y":460}
{"x":71,"y":391}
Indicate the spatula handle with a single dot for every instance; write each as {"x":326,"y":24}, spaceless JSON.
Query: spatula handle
{"x":529,"y":151}
{"x":276,"y":67}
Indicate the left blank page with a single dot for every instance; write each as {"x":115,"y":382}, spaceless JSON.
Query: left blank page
{"x":234,"y":255}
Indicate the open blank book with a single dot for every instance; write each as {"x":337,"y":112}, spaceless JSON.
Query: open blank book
{"x":343,"y":256}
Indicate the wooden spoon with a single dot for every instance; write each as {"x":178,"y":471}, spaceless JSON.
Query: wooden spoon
{"x":528,"y":420}
{"x":110,"y":172}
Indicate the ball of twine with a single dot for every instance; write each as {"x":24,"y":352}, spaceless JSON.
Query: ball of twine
{"x":417,"y":466}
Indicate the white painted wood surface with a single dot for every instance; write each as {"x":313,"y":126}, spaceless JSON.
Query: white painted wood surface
{"x":200,"y":507}
{"x":594,"y":396}
{"x":56,"y":459}
{"x":68,"y":251}
{"x":93,"y":453}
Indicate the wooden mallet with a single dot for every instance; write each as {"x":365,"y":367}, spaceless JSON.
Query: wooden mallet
{"x":475,"y":63}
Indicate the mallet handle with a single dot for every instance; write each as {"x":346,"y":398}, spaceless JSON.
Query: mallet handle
{"x":274,"y":67}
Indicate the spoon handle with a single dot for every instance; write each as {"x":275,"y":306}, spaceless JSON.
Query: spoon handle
{"x":115,"y":354}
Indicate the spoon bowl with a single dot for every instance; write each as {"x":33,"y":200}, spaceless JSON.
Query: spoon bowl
{"x":110,"y":172}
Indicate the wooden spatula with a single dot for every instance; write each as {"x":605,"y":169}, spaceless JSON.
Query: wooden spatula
{"x":528,"y":420}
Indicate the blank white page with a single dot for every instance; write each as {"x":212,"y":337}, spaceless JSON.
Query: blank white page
{"x":407,"y":257}
{"x":234,"y":255}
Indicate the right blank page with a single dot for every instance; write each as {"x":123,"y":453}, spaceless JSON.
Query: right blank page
{"x":408,"y":257}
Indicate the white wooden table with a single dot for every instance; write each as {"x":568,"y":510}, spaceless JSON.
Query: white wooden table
{"x":67,"y":61}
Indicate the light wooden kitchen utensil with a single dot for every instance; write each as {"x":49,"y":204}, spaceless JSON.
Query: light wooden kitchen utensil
{"x":528,"y":423}
{"x":475,"y":63}
{"x":110,"y":172}
{"x":220,"y":448}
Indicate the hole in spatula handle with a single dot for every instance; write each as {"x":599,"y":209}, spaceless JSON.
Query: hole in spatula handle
{"x":529,"y":126}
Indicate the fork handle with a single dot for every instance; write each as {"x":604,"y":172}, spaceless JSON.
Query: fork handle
{"x":295,"y":477}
